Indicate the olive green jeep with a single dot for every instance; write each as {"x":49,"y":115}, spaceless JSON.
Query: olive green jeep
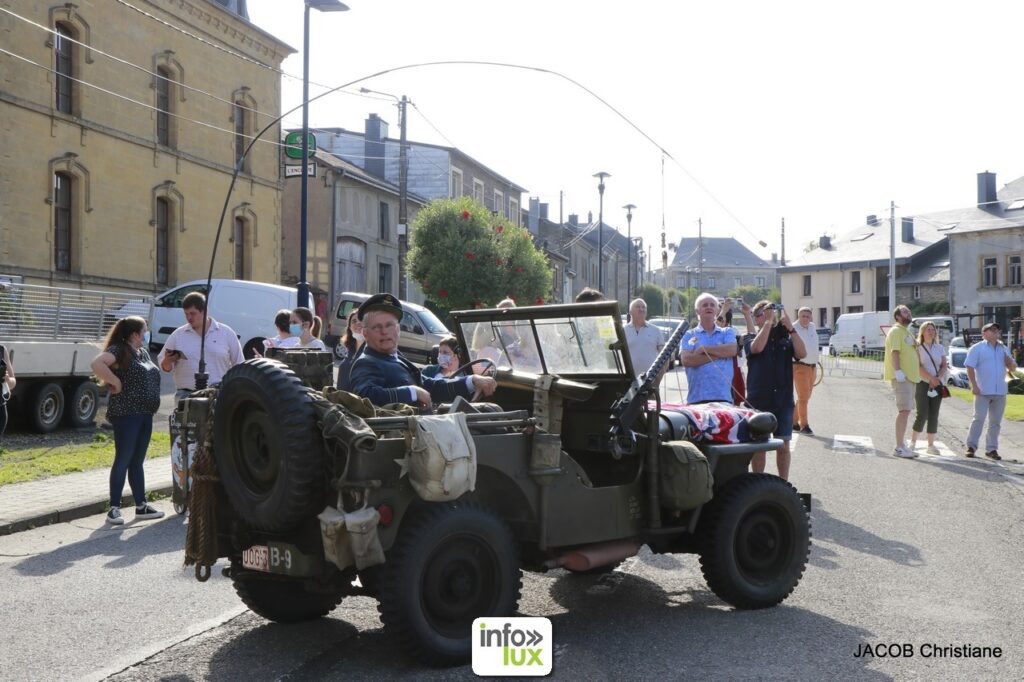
{"x":573,"y":465}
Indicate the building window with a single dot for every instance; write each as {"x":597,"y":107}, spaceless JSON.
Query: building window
{"x":917,"y":292}
{"x":385,"y":222}
{"x":478,"y":191}
{"x":241,"y":255}
{"x":513,"y":211}
{"x":737,"y":282}
{"x":163,"y":106}
{"x":1013,"y":271}
{"x":65,"y":66}
{"x":499,"y":204}
{"x":760,"y":282}
{"x":241,"y":118}
{"x":679,"y":282}
{"x":855,"y":282}
{"x":855,"y":309}
{"x":836,"y":311}
{"x":163,"y":230}
{"x":383,"y":277}
{"x":823,"y":317}
{"x":456,"y":184}
{"x":711,"y":282}
{"x":988,"y":268}
{"x":62,"y":184}
{"x":807,"y":285}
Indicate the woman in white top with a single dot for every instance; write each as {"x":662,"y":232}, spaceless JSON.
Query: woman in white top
{"x":933,"y":376}
{"x":284,"y":338}
{"x":306,"y":326}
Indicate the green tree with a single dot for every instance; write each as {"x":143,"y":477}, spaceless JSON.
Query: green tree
{"x":465,"y":257}
{"x":654,"y":297}
{"x":751,"y":294}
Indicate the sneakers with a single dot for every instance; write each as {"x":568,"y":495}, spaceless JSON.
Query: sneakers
{"x":114,"y":517}
{"x":807,"y":430}
{"x":970,"y":452}
{"x":147,"y":512}
{"x":905,"y":452}
{"x":932,"y":450}
{"x":993,"y":455}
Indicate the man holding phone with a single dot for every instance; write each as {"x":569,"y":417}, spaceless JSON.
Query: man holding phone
{"x":180,"y":354}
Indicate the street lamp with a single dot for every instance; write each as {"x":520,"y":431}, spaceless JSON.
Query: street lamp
{"x":320,"y":6}
{"x":600,"y":229}
{"x":629,"y":246}
{"x":637,"y":243}
{"x":403,"y":191}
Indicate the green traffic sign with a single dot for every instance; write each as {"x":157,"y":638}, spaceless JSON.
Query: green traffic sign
{"x":293,"y":145}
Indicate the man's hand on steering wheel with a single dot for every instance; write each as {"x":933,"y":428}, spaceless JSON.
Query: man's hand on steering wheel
{"x":422,"y":397}
{"x":484,"y":385}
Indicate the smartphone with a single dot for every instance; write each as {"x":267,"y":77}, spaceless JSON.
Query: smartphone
{"x":178,"y":354}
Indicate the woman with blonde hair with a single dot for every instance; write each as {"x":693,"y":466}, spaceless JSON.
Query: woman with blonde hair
{"x":928,"y":392}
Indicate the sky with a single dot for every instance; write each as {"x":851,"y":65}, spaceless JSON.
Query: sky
{"x":737,"y":114}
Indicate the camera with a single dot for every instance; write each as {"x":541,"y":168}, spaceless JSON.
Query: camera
{"x":778,"y":307}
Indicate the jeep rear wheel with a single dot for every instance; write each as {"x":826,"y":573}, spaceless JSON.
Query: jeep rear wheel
{"x":282,"y":600}
{"x":755,"y":539}
{"x":451,"y":564}
{"x":268,"y":448}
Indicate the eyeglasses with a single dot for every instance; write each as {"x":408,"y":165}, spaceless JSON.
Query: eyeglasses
{"x":378,"y":328}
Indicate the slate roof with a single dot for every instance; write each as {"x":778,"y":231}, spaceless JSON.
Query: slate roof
{"x":931,"y":270}
{"x":613,"y":239}
{"x":719,"y":252}
{"x":351,"y":170}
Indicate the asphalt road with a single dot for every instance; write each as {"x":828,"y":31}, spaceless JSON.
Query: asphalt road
{"x":905,"y":552}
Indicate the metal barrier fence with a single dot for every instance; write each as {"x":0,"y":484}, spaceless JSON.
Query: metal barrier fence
{"x":868,"y":364}
{"x":33,"y":312}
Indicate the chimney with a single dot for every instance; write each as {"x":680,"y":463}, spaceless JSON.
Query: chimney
{"x":824,"y":242}
{"x":373,"y":147}
{"x":533,"y":217}
{"x":775,"y":257}
{"x":544,"y":211}
{"x":872,"y":220}
{"x":574,"y":220}
{"x":908,"y":229}
{"x":986,"y":188}
{"x":590,"y":217}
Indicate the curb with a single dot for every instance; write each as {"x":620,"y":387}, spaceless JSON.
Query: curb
{"x":77,"y":511}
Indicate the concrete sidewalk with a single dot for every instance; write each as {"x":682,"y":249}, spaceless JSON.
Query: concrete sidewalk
{"x":72,"y":496}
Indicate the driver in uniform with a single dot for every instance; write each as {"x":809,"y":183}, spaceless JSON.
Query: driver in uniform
{"x":383,"y":376}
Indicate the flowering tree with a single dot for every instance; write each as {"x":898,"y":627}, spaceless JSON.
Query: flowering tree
{"x":465,"y":257}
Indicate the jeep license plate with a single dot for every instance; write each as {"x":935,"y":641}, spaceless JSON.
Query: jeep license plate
{"x":257,"y":558}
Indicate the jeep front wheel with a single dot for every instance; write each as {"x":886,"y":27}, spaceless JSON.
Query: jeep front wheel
{"x":755,"y":539}
{"x":451,"y":564}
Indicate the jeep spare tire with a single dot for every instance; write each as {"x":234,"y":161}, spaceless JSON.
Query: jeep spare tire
{"x":268,"y":448}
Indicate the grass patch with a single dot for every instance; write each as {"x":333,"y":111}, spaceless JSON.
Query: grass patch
{"x":1014,"y":403}
{"x":29,"y":464}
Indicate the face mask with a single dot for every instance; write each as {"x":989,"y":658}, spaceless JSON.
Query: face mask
{"x":444,"y":359}
{"x":145,"y":339}
{"x":295,"y":329}
{"x":358,"y":337}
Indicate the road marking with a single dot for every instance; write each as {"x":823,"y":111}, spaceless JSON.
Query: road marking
{"x":945,"y":452}
{"x":853,"y":445}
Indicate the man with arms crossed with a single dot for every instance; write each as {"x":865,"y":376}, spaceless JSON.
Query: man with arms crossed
{"x":707,"y":355}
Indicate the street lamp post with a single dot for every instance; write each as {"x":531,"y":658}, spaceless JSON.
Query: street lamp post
{"x":403,"y":190}
{"x":629,"y":245}
{"x":600,"y":229}
{"x":321,"y":6}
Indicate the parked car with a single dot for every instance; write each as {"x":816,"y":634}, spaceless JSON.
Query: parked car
{"x":824,"y":335}
{"x":667,"y":325}
{"x":957,"y":342}
{"x":957,"y":372}
{"x":421,"y":330}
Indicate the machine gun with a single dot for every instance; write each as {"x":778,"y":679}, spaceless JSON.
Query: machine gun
{"x":626,"y":409}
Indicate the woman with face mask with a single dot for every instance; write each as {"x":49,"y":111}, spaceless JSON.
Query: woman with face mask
{"x":134,"y":382}
{"x":447,"y":360}
{"x":284,"y":338}
{"x":352,"y":340}
{"x":306,"y":326}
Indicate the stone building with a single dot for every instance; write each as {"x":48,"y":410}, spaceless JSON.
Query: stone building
{"x":119,"y":131}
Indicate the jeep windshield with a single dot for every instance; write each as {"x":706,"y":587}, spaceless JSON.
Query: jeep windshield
{"x":575,"y":339}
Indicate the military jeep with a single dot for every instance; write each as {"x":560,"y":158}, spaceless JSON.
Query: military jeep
{"x":574,"y":465}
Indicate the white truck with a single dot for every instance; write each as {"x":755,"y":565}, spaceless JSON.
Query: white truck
{"x":53,"y":334}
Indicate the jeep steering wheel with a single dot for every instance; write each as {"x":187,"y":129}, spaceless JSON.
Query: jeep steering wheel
{"x":467,"y":368}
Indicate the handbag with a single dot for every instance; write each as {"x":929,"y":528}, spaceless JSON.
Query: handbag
{"x":943,"y":389}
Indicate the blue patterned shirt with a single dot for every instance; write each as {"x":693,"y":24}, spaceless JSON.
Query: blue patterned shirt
{"x":712,"y":380}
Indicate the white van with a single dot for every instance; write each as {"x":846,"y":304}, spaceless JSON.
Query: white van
{"x":858,"y":333}
{"x":247,"y":307}
{"x":943,"y":324}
